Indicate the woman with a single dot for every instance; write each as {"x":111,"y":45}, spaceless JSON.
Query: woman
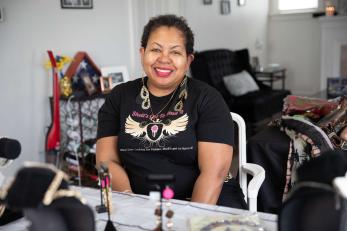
{"x":166,"y":123}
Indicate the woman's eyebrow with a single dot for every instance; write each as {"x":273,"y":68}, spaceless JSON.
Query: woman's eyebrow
{"x":155,"y":43}
{"x":173,"y":47}
{"x":176,"y":46}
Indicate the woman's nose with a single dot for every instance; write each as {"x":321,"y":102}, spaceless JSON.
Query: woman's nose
{"x":164,"y":57}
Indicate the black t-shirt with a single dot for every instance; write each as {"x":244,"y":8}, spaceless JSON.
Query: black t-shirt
{"x":166,"y":144}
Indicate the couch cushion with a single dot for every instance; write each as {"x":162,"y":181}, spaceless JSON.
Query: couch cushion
{"x":240,"y":83}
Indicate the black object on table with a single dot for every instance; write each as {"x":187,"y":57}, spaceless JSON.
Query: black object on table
{"x":101,"y":208}
{"x":271,"y":74}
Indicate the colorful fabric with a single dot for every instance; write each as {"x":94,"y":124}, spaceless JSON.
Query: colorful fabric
{"x":313,"y":126}
{"x":309,"y":107}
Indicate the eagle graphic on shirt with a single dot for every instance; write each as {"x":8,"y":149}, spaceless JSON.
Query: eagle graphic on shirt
{"x":155,"y":131}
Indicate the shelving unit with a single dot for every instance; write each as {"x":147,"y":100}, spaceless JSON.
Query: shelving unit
{"x":78,"y":125}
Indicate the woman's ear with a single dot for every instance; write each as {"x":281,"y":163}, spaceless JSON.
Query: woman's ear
{"x":190,"y":58}
{"x":142,"y":53}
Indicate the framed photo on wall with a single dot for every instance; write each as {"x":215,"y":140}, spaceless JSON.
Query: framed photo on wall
{"x":207,"y":2}
{"x":225,"y":7}
{"x":118,"y":74}
{"x":105,"y":84}
{"x":77,"y":4}
{"x":1,"y":14}
{"x":88,"y":84}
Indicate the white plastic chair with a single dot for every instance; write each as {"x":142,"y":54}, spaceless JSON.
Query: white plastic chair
{"x":258,"y":172}
{"x":340,"y":185}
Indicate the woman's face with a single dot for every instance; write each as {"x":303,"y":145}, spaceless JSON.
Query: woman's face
{"x":165,"y":60}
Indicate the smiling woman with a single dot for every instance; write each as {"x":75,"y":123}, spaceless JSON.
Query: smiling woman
{"x":167,"y":123}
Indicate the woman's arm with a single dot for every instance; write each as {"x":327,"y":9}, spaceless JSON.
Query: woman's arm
{"x":214,"y":163}
{"x":106,"y":152}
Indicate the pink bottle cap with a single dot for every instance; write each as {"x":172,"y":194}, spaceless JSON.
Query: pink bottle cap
{"x":168,"y":193}
{"x":107,"y":181}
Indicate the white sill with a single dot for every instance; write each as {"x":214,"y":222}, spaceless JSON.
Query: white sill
{"x":300,"y":11}
{"x":292,"y":16}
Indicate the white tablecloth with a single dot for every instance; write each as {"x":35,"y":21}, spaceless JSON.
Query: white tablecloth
{"x":136,"y":212}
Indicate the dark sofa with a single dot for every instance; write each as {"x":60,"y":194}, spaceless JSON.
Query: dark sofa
{"x":212,"y":65}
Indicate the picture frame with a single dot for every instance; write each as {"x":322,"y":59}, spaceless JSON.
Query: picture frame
{"x":1,"y":14}
{"x":336,"y":86}
{"x":105,"y":84}
{"x":88,"y":84}
{"x":225,"y":7}
{"x":207,"y":2}
{"x":118,"y":74}
{"x":241,"y":2}
{"x":76,"y":4}
{"x":342,"y":7}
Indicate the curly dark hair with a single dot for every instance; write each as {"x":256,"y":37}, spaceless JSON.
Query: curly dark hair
{"x":169,"y":20}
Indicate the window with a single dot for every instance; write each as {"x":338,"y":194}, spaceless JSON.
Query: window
{"x":294,"y":6}
{"x":297,"y":5}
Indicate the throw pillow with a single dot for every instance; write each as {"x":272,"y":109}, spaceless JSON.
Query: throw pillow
{"x":240,"y":83}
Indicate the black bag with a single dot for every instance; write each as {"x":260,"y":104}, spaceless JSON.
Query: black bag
{"x":42,"y":193}
{"x":313,"y":206}
{"x":313,"y":203}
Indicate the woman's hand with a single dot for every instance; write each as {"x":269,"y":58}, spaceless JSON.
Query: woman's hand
{"x":214,"y":163}
{"x":106,"y":152}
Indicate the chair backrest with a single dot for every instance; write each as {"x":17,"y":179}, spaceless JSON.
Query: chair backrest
{"x":242,"y":151}
{"x":211,"y":66}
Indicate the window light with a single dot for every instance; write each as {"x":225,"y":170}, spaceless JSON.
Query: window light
{"x":297,"y":4}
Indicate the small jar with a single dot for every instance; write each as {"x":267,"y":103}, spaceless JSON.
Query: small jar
{"x":329,"y":9}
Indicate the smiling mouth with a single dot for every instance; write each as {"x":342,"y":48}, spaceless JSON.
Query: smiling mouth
{"x":163,"y":72}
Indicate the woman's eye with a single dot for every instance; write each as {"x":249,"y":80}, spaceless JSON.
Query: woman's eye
{"x":176,"y":52}
{"x":155,"y":50}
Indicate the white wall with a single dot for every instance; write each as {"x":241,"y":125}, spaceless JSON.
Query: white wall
{"x":333,"y":37}
{"x":239,"y":29}
{"x":109,"y":33}
{"x":31,"y":27}
{"x":294,"y":42}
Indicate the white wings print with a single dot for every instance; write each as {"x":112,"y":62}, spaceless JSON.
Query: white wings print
{"x":133,"y":128}
{"x":176,"y":125}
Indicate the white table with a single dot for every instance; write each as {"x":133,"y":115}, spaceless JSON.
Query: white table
{"x":136,"y":212}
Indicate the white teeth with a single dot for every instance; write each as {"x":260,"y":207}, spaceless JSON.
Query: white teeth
{"x":162,"y":70}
